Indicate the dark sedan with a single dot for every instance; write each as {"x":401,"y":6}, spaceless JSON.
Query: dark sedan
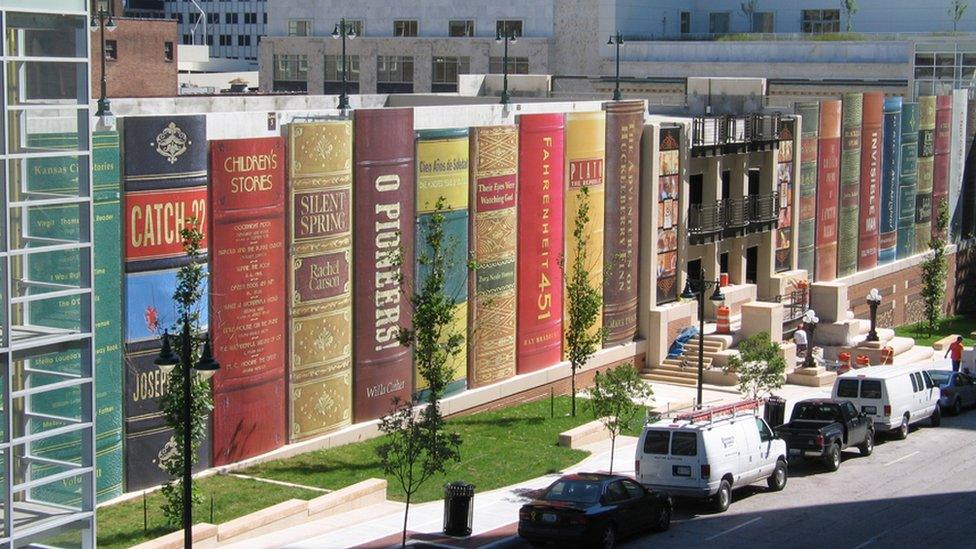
{"x":958,"y":390}
{"x":594,"y":510}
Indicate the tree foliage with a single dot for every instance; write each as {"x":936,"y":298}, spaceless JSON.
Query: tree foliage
{"x":614,"y":401}
{"x":584,"y":300}
{"x":957,"y":10}
{"x":935,"y":270}
{"x":850,"y":8}
{"x":759,"y":365}
{"x":188,"y":296}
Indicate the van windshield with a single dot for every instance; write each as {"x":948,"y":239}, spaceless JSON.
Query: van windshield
{"x":656,"y":442}
{"x":684,"y":444}
{"x":870,"y":388}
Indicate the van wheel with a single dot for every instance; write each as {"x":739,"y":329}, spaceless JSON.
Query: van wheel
{"x":902,"y":432}
{"x":936,"y":418}
{"x":723,"y":498}
{"x":832,"y":459}
{"x":868,"y":446}
{"x":777,"y":481}
{"x":663,"y":520}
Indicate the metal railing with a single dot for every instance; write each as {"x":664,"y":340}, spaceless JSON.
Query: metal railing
{"x":710,"y":131}
{"x":733,"y":213}
{"x":706,"y":218}
{"x":737,"y":212}
{"x":763,"y":208}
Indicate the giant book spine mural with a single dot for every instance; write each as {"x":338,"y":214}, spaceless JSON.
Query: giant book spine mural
{"x":807,"y":225}
{"x":850,"y":183}
{"x":494,"y":239}
{"x":941,"y":157}
{"x":871,"y":141}
{"x":585,"y":157}
{"x":890,"y":176}
{"x":783,"y":260}
{"x":828,"y":187}
{"x":165,"y":178}
{"x":625,"y":124}
{"x":968,"y":196}
{"x":319,"y":278}
{"x":384,"y":206}
{"x":540,"y":244}
{"x":959,"y":148}
{"x":442,"y":172}
{"x":907,"y":181}
{"x":247,"y":200}
{"x":669,"y":187}
{"x":926,"y":172}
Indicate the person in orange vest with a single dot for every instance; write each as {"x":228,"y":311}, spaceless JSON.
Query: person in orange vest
{"x":955,"y":348}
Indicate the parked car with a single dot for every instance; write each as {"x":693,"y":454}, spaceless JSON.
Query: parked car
{"x":893,"y":397}
{"x":706,"y":454}
{"x":957,"y":390}
{"x":823,"y":428}
{"x":593,"y":509}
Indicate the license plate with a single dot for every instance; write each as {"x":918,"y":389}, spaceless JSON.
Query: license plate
{"x":548,"y":517}
{"x":794,"y":451}
{"x":870,"y":410}
{"x":681,"y":470}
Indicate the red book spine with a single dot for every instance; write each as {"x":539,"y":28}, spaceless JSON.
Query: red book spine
{"x":384,"y":212}
{"x":943,"y":139}
{"x":247,"y":195}
{"x":540,"y":223}
{"x":868,"y":217}
{"x":828,"y":188}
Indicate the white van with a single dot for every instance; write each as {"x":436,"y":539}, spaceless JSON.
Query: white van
{"x":894,"y":397}
{"x":706,"y":454}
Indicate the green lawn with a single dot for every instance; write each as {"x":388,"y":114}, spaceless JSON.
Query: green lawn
{"x":962,"y":325}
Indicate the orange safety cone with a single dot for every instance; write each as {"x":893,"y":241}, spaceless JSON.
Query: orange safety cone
{"x":887,"y":355}
{"x":845,"y":359}
{"x":722,"y":320}
{"x":862,"y":361}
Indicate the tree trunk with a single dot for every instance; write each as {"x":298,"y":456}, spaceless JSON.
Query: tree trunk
{"x":406,"y":513}
{"x":613,"y":443}
{"x":572,"y":378}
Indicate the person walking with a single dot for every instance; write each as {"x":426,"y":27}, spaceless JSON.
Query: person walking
{"x":800,"y":338}
{"x":955,"y":348}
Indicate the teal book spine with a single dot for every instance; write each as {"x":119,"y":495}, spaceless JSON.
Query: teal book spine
{"x":907,"y":181}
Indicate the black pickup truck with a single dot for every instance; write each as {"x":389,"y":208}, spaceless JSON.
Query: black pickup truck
{"x":822,"y":428}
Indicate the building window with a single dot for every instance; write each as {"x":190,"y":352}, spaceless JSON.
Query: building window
{"x":445,"y":71}
{"x":762,"y":21}
{"x":405,"y":28}
{"x":516,"y":65}
{"x":357,"y":26}
{"x":226,"y":40}
{"x":210,"y":40}
{"x":394,"y":74}
{"x":111,"y":50}
{"x":333,"y":74}
{"x":265,"y":18}
{"x":250,"y":18}
{"x":290,"y":72}
{"x":187,"y":39}
{"x":508,"y":27}
{"x":244,"y":40}
{"x":718,"y":22}
{"x":213,"y":18}
{"x":230,"y":18}
{"x":168,"y":51}
{"x":464,"y":27}
{"x":685,"y":22}
{"x":820,"y":21}
{"x":299,"y":27}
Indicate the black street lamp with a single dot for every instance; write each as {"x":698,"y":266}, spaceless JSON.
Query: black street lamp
{"x":698,"y":292}
{"x":509,"y":36}
{"x":205,"y":368}
{"x":101,"y":21}
{"x":873,"y":299}
{"x":810,"y":321}
{"x":344,"y":30}
{"x":616,"y":41}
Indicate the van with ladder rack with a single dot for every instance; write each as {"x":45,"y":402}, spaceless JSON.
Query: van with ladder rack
{"x":707,"y":453}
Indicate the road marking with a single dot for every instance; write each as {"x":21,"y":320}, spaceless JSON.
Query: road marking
{"x":733,"y":529}
{"x":903,"y":458}
{"x":868,"y":542}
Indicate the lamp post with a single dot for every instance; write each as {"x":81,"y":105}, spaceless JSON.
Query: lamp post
{"x":343,"y":31}
{"x":701,"y":285}
{"x":874,"y":299}
{"x":205,"y":368}
{"x":101,"y":21}
{"x":508,"y":36}
{"x":616,"y":41}
{"x":810,"y":320}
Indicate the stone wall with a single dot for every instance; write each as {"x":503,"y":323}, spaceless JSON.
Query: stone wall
{"x":140,"y":68}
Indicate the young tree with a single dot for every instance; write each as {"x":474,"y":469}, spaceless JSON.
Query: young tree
{"x":416,"y":446}
{"x":583,"y":298}
{"x":612,"y":401}
{"x":850,"y":8}
{"x":759,"y":365}
{"x":935,"y":269}
{"x":189,"y":292}
{"x":957,"y":9}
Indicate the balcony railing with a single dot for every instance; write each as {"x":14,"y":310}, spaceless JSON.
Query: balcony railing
{"x":706,"y":218}
{"x":763,"y":208}
{"x":733,"y":214}
{"x":737,"y":212}
{"x":714,"y":131}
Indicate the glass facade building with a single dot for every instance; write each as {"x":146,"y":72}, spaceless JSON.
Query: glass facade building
{"x":47,"y":469}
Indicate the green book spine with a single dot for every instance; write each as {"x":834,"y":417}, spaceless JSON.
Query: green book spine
{"x":807,"y":229}
{"x":907,"y":181}
{"x":850,"y":183}
{"x":926,"y":173}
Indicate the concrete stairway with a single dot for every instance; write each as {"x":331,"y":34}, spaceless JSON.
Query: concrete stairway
{"x":683,"y":370}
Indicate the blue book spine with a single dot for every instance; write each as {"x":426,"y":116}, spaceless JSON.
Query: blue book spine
{"x":890,"y":177}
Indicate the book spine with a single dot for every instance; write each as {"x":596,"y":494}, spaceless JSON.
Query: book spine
{"x":807,"y":225}
{"x":625,"y":124}
{"x":247,"y":195}
{"x":940,"y":170}
{"x":850,"y":183}
{"x":890,"y":177}
{"x":908,"y":180}
{"x":585,"y":163}
{"x":494,"y":238}
{"x":828,"y":190}
{"x":968,"y":197}
{"x":540,"y":245}
{"x":384,"y":228}
{"x":442,"y":172}
{"x":926,"y":172}
{"x":872,"y":131}
{"x":319,"y":278}
{"x":783,"y":260}
{"x":669,"y":189}
{"x":957,"y":162}
{"x":165,"y":177}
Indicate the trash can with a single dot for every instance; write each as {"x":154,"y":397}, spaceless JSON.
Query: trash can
{"x":775,"y":411}
{"x":458,"y":508}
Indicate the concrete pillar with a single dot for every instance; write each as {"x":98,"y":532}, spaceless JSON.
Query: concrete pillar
{"x":767,"y":240}
{"x":647,"y":268}
{"x":829,"y":300}
{"x":762,"y":317}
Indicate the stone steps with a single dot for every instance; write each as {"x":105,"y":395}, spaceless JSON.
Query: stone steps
{"x":669,"y":379}
{"x":916,"y":354}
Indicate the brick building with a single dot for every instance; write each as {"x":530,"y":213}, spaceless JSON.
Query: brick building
{"x":141,"y":58}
